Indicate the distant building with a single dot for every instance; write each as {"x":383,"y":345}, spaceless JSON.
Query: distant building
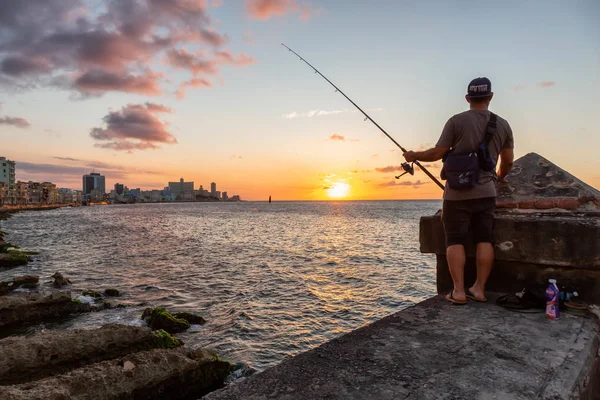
{"x":93,"y":181}
{"x":182,"y":190}
{"x":7,"y":172}
{"x":119,"y":188}
{"x":224,"y":196}
{"x":235,"y":198}
{"x":213,"y":189}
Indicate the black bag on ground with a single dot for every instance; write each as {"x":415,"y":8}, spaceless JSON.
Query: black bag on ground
{"x":461,"y":170}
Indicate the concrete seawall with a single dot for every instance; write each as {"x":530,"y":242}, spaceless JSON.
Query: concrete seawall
{"x":435,"y":350}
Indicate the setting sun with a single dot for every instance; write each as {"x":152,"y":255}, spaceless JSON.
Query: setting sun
{"x":338,"y":190}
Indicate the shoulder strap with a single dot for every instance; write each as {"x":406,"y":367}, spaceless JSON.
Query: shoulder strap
{"x":490,"y":129}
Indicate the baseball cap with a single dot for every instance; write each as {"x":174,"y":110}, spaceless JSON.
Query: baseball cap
{"x":479,"y":87}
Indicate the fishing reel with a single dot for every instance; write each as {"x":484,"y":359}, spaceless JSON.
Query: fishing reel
{"x":408,"y":169}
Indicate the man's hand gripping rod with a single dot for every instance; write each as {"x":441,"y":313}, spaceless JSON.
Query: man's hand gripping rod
{"x":433,"y":178}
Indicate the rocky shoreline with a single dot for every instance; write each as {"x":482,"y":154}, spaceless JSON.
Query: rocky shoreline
{"x":111,"y":362}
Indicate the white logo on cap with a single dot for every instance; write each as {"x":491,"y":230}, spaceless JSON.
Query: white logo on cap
{"x":478,"y":88}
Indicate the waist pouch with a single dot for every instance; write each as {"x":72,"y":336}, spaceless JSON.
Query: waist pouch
{"x":461,"y":170}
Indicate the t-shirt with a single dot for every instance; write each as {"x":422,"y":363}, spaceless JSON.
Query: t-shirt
{"x":463,"y":133}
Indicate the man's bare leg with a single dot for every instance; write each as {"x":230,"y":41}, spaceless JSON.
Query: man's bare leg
{"x":485,"y":262}
{"x":455,"y":254}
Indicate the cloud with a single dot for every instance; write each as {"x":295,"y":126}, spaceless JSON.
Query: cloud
{"x":389,"y":168}
{"x":181,"y":58}
{"x":265,"y":9}
{"x":235,"y":157}
{"x":335,"y":136}
{"x":226,"y":57}
{"x":18,"y":66}
{"x":15,"y":121}
{"x":313,"y":113}
{"x":100,"y":81}
{"x":402,"y":183}
{"x":543,"y":84}
{"x":134,"y":127}
{"x":193,"y":83}
{"x":51,"y":169}
{"x":321,"y":113}
{"x":67,"y":158}
{"x":106,"y":46}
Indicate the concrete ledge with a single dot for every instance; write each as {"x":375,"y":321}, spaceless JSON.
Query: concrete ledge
{"x":435,"y":350}
{"x":557,"y":239}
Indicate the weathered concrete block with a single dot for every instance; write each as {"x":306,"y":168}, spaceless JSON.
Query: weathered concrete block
{"x":553,"y":233}
{"x":537,"y":183}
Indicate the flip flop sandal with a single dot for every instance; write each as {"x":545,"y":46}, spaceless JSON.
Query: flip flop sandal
{"x":472,"y":297}
{"x":452,"y":300}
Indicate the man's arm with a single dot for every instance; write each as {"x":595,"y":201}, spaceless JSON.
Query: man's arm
{"x":507,"y":157}
{"x":433,"y":154}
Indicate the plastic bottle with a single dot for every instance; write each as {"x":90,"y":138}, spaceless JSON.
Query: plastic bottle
{"x":552,"y":295}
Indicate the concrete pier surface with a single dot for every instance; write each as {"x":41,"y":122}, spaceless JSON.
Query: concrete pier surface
{"x":436,"y":350}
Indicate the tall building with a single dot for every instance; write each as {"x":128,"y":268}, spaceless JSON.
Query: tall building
{"x":119,"y":188}
{"x":224,"y":196}
{"x":93,"y":181}
{"x":182,"y":190}
{"x":7,"y":172}
{"x":213,"y":189}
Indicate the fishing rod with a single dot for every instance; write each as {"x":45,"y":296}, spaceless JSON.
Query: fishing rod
{"x":408,"y":168}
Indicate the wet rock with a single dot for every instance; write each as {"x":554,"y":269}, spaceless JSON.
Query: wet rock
{"x":191,"y":318}
{"x":26,"y":281}
{"x":13,"y":259}
{"x":159,"y":318}
{"x":112,"y":292}
{"x":128,"y":366}
{"x":163,"y":340}
{"x":50,"y":353}
{"x":91,"y":293}
{"x":20,"y":308}
{"x":155,"y":374}
{"x":60,"y":280}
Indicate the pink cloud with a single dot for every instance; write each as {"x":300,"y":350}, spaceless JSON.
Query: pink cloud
{"x":226,"y":57}
{"x":193,"y":83}
{"x":134,"y":127}
{"x":15,"y":121}
{"x":94,"y":50}
{"x":195,"y":63}
{"x":265,"y":9}
{"x":100,"y":81}
{"x":547,"y":84}
{"x":335,"y":136}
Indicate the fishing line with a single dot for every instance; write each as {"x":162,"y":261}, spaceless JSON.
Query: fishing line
{"x":408,"y":168}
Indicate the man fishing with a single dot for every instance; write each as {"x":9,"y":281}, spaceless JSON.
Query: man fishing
{"x":470,"y":144}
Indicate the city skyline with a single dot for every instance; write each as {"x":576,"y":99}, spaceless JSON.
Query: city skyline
{"x":215,"y":97}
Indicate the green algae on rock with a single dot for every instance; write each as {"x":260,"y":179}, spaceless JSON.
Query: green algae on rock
{"x":159,"y":318}
{"x":163,"y":340}
{"x":12,"y":259}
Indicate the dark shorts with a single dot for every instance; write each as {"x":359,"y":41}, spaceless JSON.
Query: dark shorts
{"x":476,"y":215}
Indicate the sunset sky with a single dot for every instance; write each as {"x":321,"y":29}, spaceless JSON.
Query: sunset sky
{"x":149,"y":91}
